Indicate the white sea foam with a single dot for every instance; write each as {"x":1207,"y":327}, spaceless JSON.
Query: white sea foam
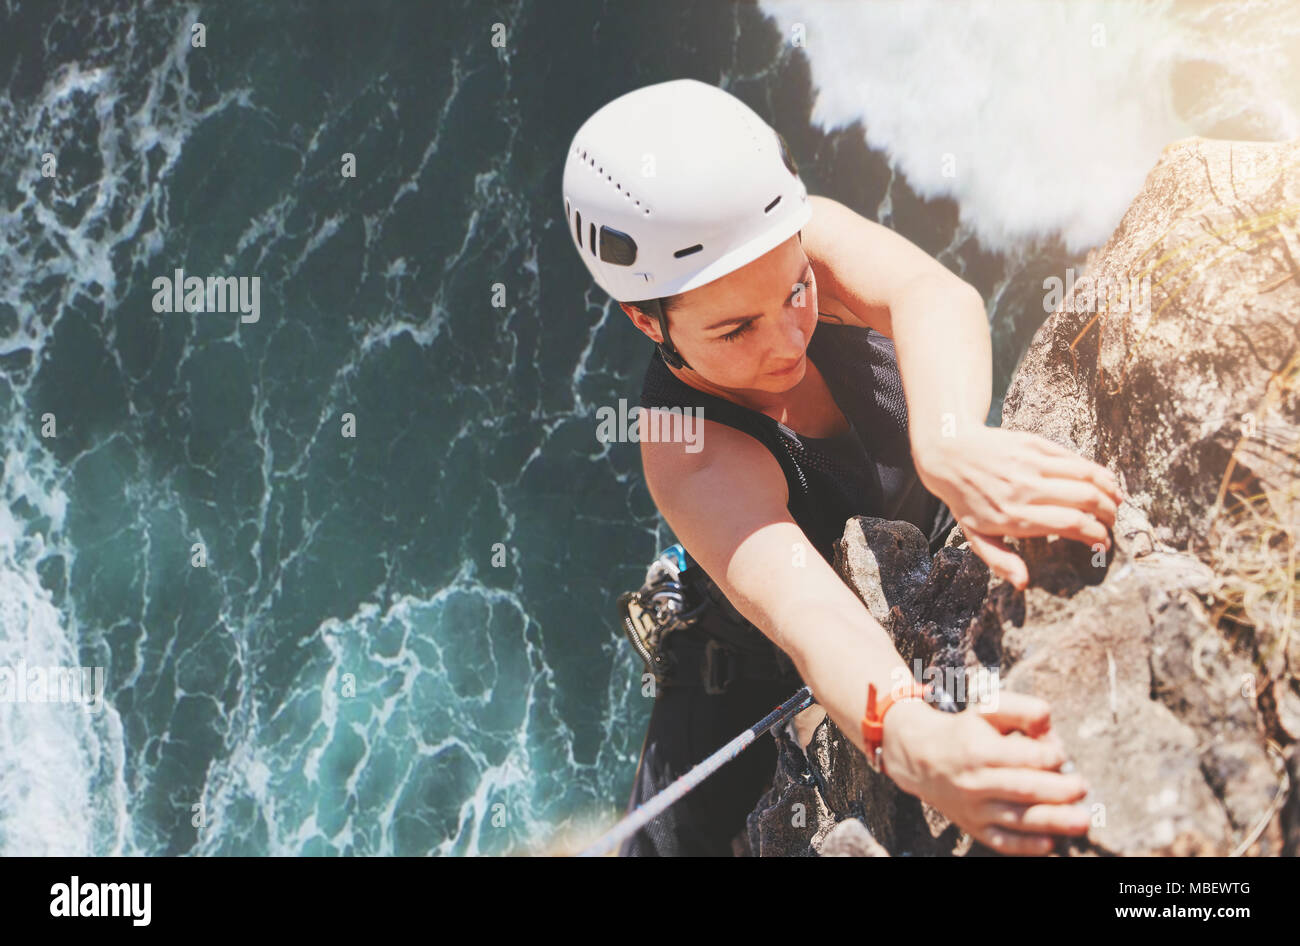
{"x":59,"y":767}
{"x":1047,"y":132}
{"x":62,"y":787}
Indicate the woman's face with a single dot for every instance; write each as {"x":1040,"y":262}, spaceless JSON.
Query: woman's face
{"x":741,"y":330}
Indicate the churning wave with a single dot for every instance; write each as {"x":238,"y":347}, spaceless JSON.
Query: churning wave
{"x":1043,"y":118}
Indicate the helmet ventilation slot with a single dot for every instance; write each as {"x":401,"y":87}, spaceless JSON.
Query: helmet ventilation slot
{"x":617,"y":247}
{"x":688,"y":251}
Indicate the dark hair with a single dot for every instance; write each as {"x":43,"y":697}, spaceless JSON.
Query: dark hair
{"x":646,"y":306}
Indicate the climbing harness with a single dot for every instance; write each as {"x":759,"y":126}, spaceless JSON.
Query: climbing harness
{"x":657,"y":609}
{"x":687,"y":633}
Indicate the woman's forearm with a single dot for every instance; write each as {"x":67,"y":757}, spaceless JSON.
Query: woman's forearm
{"x":941,"y":339}
{"x":838,"y":649}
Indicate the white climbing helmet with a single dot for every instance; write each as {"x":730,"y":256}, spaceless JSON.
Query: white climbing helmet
{"x":674,"y":185}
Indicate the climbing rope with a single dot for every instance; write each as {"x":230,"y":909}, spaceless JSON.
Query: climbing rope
{"x":645,"y":812}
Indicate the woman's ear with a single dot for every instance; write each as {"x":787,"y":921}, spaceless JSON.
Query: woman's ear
{"x":644,"y":323}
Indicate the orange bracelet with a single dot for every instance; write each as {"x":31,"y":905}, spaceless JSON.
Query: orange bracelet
{"x":873,"y":722}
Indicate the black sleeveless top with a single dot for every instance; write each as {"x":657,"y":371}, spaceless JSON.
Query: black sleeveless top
{"x":865,"y":471}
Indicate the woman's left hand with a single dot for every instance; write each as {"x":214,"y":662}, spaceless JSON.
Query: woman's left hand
{"x":1012,"y":483}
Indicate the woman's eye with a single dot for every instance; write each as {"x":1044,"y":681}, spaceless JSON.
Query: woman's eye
{"x":732,"y":336}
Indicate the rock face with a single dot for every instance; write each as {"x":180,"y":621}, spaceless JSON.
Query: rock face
{"x":1172,"y":665}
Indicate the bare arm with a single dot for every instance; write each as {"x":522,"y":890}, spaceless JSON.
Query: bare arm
{"x":869,"y":275}
{"x":737,"y":527}
{"x":728,"y":506}
{"x":996,"y":482}
{"x":945,"y":358}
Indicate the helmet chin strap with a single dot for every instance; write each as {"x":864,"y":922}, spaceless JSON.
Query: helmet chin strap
{"x":670,"y":355}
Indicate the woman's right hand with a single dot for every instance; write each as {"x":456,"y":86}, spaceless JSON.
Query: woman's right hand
{"x":991,"y":769}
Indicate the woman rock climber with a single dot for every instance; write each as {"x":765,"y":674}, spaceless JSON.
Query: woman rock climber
{"x":841,"y":371}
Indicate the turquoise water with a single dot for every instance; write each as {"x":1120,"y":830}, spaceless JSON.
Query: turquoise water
{"x":400,"y":641}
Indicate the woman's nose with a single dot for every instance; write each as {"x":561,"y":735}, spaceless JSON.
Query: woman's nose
{"x":792,"y":340}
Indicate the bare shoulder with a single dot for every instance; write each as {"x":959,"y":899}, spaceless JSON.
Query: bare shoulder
{"x":720,"y":459}
{"x":727,"y":503}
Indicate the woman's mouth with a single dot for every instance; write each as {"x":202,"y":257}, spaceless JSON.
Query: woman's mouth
{"x":791,"y":370}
